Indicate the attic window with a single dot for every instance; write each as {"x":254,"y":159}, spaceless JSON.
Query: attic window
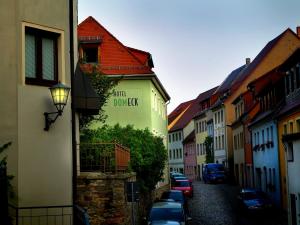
{"x":90,"y":53}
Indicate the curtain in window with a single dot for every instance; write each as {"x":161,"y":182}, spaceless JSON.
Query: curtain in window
{"x":30,"y":57}
{"x":48,"y":59}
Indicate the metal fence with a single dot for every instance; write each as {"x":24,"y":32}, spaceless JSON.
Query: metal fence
{"x":41,"y":215}
{"x":103,"y":157}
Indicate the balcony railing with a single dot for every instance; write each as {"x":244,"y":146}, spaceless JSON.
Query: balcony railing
{"x":103,"y":157}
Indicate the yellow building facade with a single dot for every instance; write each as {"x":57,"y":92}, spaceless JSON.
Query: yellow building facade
{"x":274,"y":54}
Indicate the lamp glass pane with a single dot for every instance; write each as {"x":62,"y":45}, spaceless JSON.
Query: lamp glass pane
{"x":60,"y":96}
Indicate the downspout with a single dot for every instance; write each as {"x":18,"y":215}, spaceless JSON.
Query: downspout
{"x":74,"y":159}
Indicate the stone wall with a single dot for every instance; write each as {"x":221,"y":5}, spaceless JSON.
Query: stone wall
{"x":104,"y":197}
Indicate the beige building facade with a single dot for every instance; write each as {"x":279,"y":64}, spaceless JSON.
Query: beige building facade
{"x":35,"y":40}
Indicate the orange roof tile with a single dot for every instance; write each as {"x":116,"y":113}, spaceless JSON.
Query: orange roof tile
{"x":115,"y":58}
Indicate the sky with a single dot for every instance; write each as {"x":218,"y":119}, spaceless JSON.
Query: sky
{"x":194,"y":44}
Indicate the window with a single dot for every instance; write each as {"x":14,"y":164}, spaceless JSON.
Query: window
{"x":292,"y":80}
{"x":298,"y":125}
{"x":297,"y":74}
{"x":268,"y":134}
{"x":242,"y":107}
{"x":271,"y":133}
{"x":263,"y":136}
{"x":219,"y":142}
{"x":287,"y":84}
{"x":216,"y":143}
{"x":290,"y":152}
{"x":242,"y":140}
{"x":179,"y":134}
{"x":90,"y":53}
{"x":170,"y":138}
{"x":41,"y":57}
{"x":274,"y":177}
{"x":170,"y":154}
{"x":173,"y":137}
{"x":176,"y":137}
{"x":291,"y":128}
{"x":285,"y":129}
{"x":223,"y":144}
{"x":222,"y":119}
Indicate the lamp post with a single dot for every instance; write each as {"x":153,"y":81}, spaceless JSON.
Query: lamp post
{"x":60,"y":94}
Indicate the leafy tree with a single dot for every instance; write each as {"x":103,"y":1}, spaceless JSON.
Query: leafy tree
{"x":103,"y":86}
{"x":148,"y":153}
{"x":209,"y":149}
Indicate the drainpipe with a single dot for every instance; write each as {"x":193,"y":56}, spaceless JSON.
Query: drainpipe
{"x":74,"y":159}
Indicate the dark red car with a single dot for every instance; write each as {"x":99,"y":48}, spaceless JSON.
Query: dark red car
{"x":183,"y":185}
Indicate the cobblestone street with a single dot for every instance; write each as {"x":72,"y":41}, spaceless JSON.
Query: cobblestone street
{"x":217,"y":205}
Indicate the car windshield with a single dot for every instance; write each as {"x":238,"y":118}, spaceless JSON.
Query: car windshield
{"x":166,"y":214}
{"x":182,"y":183}
{"x":253,"y":195}
{"x":177,"y":196}
{"x":218,"y":169}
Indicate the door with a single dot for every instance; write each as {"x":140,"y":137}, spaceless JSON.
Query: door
{"x":293,"y":209}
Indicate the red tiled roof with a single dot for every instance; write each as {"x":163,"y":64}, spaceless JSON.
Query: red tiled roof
{"x":179,"y":109}
{"x":192,"y":111}
{"x":258,"y":59}
{"x":115,"y":58}
{"x":141,"y":55}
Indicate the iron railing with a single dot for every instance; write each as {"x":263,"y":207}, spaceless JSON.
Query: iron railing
{"x":41,"y":215}
{"x":103,"y":157}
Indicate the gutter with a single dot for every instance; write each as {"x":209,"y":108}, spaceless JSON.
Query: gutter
{"x":74,"y":158}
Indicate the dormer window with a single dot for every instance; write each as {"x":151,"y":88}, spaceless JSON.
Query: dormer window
{"x":90,"y":53}
{"x":89,"y":49}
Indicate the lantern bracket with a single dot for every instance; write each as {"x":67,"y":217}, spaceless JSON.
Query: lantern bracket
{"x":49,"y":120}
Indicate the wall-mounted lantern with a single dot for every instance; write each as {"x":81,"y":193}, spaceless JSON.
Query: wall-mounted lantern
{"x":60,"y":94}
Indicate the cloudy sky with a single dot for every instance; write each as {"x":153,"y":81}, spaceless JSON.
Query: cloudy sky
{"x":195,"y":44}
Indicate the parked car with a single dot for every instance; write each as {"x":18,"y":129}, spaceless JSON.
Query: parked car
{"x":176,"y":196}
{"x":165,"y":222}
{"x":181,"y":178}
{"x":252,"y":200}
{"x":167,"y":211}
{"x":176,"y":174}
{"x":214,"y":173}
{"x":183,"y":185}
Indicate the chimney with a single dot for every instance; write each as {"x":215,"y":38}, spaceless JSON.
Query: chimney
{"x":248,"y":61}
{"x":298,"y":31}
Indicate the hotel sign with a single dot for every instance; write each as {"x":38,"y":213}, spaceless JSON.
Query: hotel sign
{"x":128,"y":98}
